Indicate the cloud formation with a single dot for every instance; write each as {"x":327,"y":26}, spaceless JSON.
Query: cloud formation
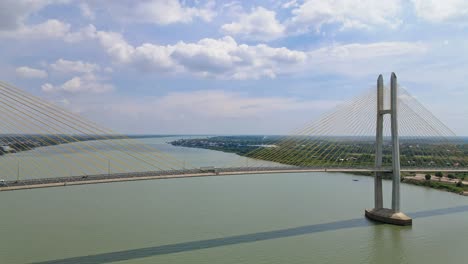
{"x":226,"y":59}
{"x":88,"y":83}
{"x":50,"y":29}
{"x":86,"y":11}
{"x":68,"y":66}
{"x":220,"y":58}
{"x":28,"y":72}
{"x":355,"y":14}
{"x":165,"y":12}
{"x":356,"y":59}
{"x":155,"y":12}
{"x":441,"y":11}
{"x":13,"y":13}
{"x":259,"y":24}
{"x":265,"y":51}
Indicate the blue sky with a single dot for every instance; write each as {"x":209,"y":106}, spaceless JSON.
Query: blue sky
{"x":232,"y":67}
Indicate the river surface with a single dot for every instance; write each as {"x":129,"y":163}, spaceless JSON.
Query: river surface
{"x":268,"y":218}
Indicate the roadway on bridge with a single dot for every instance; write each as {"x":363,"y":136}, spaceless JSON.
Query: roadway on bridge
{"x":122,"y":177}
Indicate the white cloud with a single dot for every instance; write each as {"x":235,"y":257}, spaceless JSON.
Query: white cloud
{"x":13,"y":13}
{"x":88,"y":83}
{"x":358,"y":51}
{"x":73,"y":85}
{"x":361,"y":14}
{"x":27,"y":72}
{"x":260,"y":24}
{"x":83,"y":33}
{"x":86,"y":11}
{"x":115,"y":45}
{"x":362,"y":59}
{"x":13,"y":16}
{"x":220,"y":58}
{"x":47,"y":87}
{"x":51,"y":28}
{"x":160,"y":12}
{"x":226,"y":59}
{"x":290,"y":4}
{"x":67,"y":66}
{"x":440,"y":11}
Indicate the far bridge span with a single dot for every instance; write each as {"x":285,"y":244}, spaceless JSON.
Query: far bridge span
{"x":203,"y":172}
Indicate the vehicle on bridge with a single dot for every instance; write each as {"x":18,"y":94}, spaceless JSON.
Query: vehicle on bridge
{"x":211,"y":169}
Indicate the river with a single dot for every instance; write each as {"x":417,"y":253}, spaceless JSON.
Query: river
{"x":268,"y":218}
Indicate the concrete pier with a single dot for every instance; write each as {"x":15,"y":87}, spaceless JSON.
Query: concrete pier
{"x":388,"y":216}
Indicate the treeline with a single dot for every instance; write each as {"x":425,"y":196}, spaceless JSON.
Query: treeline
{"x":11,"y":143}
{"x":335,"y":151}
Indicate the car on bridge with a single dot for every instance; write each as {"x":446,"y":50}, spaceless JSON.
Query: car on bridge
{"x":211,"y":169}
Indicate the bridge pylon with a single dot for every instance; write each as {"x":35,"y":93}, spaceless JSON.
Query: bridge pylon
{"x":379,"y":213}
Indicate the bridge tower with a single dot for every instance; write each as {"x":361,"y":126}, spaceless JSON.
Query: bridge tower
{"x":379,"y":213}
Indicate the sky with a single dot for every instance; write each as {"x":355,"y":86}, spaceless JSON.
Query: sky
{"x":232,"y":67}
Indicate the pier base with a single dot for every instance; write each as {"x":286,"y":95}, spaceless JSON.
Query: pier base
{"x":388,"y":216}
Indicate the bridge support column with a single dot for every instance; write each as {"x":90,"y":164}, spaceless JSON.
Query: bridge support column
{"x":379,"y":213}
{"x":378,"y":195}
{"x":395,"y":145}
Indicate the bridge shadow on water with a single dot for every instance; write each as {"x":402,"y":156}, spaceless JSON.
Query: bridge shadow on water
{"x":240,"y":239}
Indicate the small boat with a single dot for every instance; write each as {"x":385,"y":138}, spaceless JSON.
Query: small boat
{"x":355,"y":180}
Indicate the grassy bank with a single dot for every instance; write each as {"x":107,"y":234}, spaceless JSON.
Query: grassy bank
{"x":407,"y":178}
{"x":437,"y":185}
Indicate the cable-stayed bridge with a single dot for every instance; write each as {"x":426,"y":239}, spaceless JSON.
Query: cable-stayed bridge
{"x":383,"y":131}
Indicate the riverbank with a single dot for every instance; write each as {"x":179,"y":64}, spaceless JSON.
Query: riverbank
{"x":10,"y":144}
{"x":419,"y":179}
{"x":443,"y":183}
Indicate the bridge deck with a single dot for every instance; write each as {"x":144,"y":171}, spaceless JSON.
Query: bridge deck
{"x":120,"y":177}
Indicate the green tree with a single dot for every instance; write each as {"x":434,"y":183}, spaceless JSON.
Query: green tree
{"x":451,"y":176}
{"x":439,"y":174}
{"x":428,"y":177}
{"x":460,"y":184}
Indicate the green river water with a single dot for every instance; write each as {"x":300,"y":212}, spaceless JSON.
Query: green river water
{"x":267,"y":218}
